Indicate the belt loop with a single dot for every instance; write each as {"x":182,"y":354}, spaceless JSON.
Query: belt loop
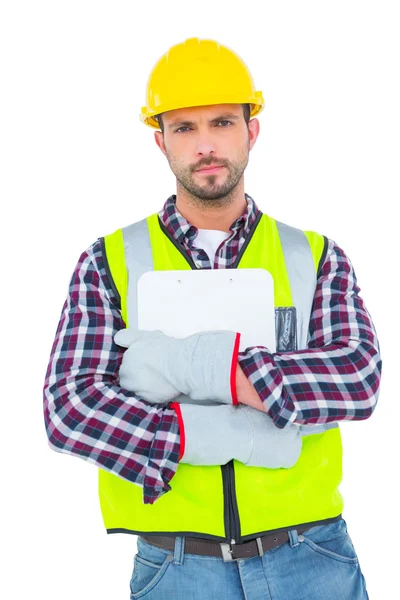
{"x":179,"y":550}
{"x":260,"y":547}
{"x":293,"y":538}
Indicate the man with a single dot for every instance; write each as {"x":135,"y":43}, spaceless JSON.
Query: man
{"x":226,"y":464}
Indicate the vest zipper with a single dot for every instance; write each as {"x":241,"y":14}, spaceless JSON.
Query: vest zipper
{"x":231,"y":513}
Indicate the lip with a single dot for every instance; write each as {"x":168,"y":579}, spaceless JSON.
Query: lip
{"x":210,"y":169}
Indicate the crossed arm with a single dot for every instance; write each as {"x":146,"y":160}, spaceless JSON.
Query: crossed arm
{"x":87,"y":413}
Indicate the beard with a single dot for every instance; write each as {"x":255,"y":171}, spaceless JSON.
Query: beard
{"x":210,"y":190}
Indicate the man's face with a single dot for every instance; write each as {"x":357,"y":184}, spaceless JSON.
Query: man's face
{"x":200,"y":136}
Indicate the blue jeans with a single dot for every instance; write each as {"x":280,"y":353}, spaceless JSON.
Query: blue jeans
{"x":319,"y":564}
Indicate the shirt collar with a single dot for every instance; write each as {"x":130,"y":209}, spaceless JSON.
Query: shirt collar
{"x":180,"y":228}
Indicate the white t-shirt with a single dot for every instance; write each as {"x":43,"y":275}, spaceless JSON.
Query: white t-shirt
{"x":209,"y":240}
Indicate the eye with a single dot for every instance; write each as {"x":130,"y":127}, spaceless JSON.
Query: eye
{"x":184,"y":127}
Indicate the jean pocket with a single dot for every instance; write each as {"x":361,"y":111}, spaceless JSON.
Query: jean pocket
{"x":331,"y":541}
{"x":150,"y":566}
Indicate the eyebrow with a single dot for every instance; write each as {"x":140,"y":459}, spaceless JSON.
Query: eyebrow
{"x":215,"y":120}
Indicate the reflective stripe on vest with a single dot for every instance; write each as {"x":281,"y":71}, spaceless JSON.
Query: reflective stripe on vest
{"x":232,"y":500}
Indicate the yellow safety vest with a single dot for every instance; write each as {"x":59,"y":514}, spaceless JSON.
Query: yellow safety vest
{"x":231,"y":501}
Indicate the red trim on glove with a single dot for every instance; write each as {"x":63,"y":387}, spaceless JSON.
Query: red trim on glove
{"x":177,"y":407}
{"x":234,"y":369}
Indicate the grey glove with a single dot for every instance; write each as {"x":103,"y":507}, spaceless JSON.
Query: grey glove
{"x":214,"y":435}
{"x":272,"y":447}
{"x":157,"y":367}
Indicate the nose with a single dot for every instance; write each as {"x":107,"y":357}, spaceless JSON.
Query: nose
{"x":205,"y":145}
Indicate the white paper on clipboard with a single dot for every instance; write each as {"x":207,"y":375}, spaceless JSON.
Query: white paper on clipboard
{"x":182,"y":302}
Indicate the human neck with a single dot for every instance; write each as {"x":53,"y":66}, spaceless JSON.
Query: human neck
{"x":218,"y":215}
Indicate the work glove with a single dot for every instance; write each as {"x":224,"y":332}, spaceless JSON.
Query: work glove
{"x":214,"y":435}
{"x":158,"y":367}
{"x":272,"y":447}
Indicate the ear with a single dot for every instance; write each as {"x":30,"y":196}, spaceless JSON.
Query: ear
{"x":254,"y":130}
{"x":159,"y":138}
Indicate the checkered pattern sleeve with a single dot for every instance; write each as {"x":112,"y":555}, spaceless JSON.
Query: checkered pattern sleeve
{"x":337,"y":377}
{"x":86,"y":412}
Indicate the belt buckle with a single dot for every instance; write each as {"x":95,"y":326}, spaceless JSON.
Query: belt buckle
{"x":227,"y":550}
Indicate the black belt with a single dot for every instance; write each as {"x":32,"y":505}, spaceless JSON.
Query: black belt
{"x":231,"y":552}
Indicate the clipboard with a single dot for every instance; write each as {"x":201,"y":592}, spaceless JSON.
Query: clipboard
{"x":182,"y":302}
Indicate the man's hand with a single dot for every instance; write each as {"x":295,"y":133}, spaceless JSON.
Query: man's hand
{"x":141,"y":370}
{"x":158,"y":367}
{"x":216,"y":434}
{"x":246,"y":392}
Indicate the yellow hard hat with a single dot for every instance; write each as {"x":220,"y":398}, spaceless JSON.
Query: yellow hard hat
{"x":198,"y":73}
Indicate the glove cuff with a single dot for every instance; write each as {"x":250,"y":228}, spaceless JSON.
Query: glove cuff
{"x":214,"y":435}
{"x":177,"y":407}
{"x":216,"y":357}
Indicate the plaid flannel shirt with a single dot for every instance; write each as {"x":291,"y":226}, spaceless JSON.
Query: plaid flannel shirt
{"x":88,"y":414}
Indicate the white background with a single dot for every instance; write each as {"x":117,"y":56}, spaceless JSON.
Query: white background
{"x":76,"y":164}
